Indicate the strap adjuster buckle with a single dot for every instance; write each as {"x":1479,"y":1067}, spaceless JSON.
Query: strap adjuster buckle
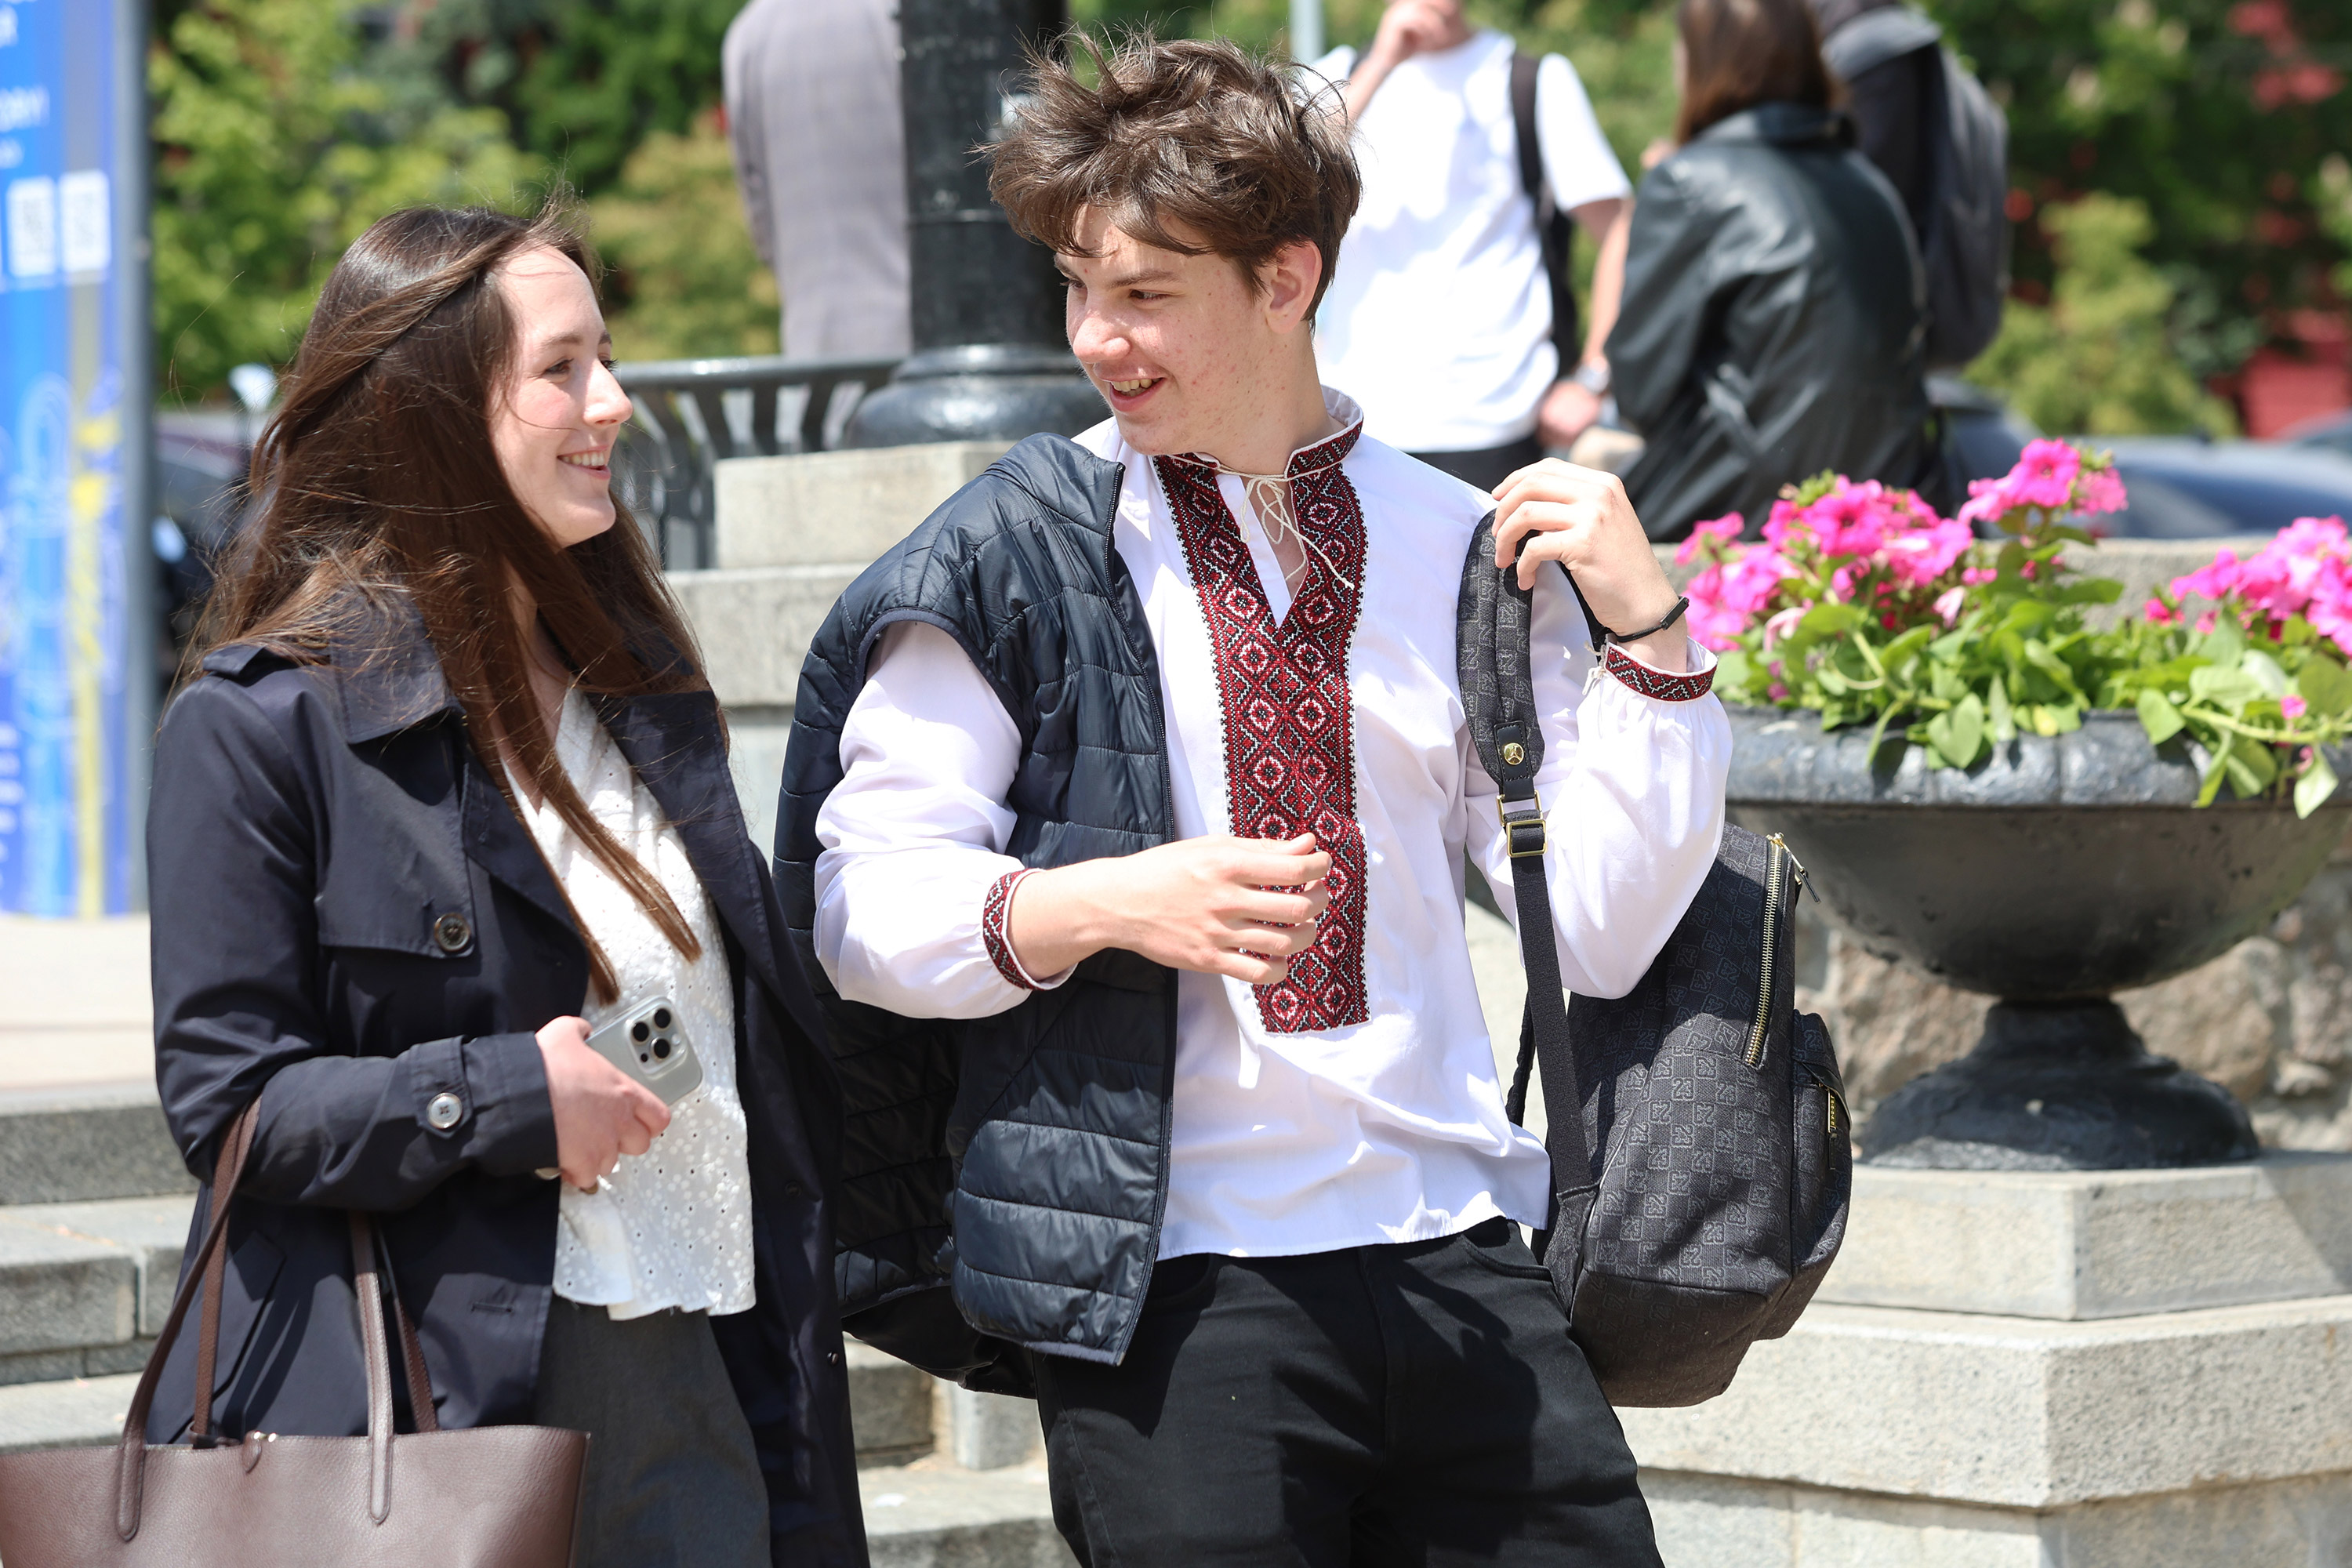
{"x":1522,"y":825}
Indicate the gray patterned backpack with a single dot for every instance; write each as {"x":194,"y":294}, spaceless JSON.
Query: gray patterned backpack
{"x":1702,"y":1194}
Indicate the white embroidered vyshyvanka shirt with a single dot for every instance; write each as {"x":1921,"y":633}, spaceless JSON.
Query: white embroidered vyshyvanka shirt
{"x":1356,"y":1102}
{"x":672,"y":1228}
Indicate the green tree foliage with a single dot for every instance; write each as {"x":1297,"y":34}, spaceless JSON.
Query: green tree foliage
{"x":581,"y":82}
{"x":2097,"y":360}
{"x":2216,"y":115}
{"x":688,"y":282}
{"x":274,"y":151}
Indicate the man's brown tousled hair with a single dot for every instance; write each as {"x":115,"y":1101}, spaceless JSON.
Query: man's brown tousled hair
{"x":1199,"y":136}
{"x":380,"y":489}
{"x":1738,"y":53}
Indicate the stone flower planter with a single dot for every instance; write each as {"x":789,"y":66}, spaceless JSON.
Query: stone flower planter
{"x":2051,"y":875}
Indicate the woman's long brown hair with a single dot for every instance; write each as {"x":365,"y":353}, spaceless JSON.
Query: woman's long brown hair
{"x":379,"y":484}
{"x":1738,"y":53}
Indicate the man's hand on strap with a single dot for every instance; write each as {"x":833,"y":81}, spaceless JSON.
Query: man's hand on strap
{"x":1580,"y":518}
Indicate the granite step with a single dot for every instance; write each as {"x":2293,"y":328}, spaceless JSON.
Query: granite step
{"x":935,"y":1515}
{"x":77,"y":1145}
{"x":69,"y":1413}
{"x":85,"y":1286}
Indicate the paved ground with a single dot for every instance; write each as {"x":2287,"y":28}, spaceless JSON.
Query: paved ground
{"x":76,"y":1008}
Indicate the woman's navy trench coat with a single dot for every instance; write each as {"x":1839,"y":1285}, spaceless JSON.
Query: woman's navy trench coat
{"x":350,"y":921}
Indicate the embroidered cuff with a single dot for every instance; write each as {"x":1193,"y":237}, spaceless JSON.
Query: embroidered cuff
{"x":992,"y":913}
{"x":1657,"y":683}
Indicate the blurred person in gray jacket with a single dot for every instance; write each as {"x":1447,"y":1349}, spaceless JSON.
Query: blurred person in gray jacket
{"x":1774,"y":312}
{"x":820,"y":155}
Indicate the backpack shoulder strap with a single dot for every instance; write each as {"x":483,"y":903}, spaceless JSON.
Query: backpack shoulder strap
{"x":1555,"y":230}
{"x":1523,"y":125}
{"x":1495,"y":617}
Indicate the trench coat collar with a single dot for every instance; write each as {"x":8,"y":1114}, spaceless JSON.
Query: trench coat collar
{"x":382,"y":668}
{"x":378,"y":665}
{"x":1783,"y":125}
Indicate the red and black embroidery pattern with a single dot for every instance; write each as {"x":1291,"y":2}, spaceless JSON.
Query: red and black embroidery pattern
{"x":1290,"y":723}
{"x":992,"y":912}
{"x":1657,"y":683}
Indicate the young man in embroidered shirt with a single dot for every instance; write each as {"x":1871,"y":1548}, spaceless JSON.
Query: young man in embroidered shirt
{"x":1124,"y":821}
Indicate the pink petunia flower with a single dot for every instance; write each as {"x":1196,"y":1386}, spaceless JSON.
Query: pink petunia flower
{"x":1723,"y":530}
{"x":2101,"y":491}
{"x":2293,"y":705}
{"x":1948,"y":603}
{"x":2044,"y":475}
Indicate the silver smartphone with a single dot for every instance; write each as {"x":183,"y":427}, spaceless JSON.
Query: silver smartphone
{"x":649,"y":1042}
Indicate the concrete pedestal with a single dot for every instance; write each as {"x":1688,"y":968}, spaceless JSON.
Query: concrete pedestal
{"x":2150,"y":1368}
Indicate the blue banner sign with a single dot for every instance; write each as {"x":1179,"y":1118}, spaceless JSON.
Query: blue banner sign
{"x":73,"y":432}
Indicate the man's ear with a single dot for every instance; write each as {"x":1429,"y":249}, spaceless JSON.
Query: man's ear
{"x":1289,"y":277}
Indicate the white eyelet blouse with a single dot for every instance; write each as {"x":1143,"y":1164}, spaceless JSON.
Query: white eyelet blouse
{"x":672,"y":1228}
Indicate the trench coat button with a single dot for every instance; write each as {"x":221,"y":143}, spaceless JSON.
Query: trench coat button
{"x":451,"y":933}
{"x":444,"y":1111}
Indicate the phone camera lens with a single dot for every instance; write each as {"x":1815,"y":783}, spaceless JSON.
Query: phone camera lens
{"x":639,"y":1033}
{"x":661,"y":1017}
{"x":661,"y":1049}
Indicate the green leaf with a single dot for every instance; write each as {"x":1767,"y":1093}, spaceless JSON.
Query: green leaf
{"x":2265,"y":671}
{"x":1828,"y":620}
{"x":2225,"y":642}
{"x":2039,"y":656}
{"x":1957,"y":734}
{"x":2317,"y":782}
{"x":2251,"y":766}
{"x":2227,"y":686}
{"x":2159,"y":718}
{"x":1831,"y":680}
{"x":2324,"y":684}
{"x":1734,"y":669}
{"x":2216,"y":770}
{"x":1903,"y":649}
{"x":2002,"y":722}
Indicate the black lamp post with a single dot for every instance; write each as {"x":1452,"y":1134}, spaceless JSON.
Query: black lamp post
{"x":990,"y":362}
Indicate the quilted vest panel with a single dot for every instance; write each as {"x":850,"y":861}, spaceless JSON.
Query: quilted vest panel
{"x":1021,"y":1159}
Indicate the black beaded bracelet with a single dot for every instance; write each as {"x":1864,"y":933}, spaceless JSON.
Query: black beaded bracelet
{"x":1672,"y":616}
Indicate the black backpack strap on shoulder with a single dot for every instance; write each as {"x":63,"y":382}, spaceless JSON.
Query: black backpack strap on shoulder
{"x":1555,"y":230}
{"x":1495,"y":618}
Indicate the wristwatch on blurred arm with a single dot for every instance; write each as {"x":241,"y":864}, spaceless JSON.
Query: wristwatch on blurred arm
{"x":1593,"y":377}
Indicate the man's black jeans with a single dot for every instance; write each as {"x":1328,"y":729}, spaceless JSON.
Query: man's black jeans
{"x":1412,"y":1403}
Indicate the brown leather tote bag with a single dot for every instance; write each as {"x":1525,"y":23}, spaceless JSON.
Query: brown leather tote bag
{"x":493,"y":1497}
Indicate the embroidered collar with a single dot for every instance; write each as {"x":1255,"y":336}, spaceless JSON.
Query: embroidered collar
{"x":1313,"y":458}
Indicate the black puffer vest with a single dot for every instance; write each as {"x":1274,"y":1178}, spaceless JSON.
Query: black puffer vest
{"x":1020,"y":1159}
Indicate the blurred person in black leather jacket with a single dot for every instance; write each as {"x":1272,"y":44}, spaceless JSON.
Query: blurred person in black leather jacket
{"x":1774,"y":298}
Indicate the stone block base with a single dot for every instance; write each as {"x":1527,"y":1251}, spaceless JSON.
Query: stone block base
{"x":1709,"y":1521}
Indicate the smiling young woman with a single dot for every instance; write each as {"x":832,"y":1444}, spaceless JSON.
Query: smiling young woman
{"x":446,"y":790}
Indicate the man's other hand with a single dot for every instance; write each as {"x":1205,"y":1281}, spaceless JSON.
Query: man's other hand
{"x":1568,"y":411}
{"x":1242,"y":906}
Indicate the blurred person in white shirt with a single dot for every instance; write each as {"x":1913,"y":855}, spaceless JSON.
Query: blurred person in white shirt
{"x":1440,"y":317}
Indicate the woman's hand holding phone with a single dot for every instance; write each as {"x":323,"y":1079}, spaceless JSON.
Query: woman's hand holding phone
{"x":601,"y":1113}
